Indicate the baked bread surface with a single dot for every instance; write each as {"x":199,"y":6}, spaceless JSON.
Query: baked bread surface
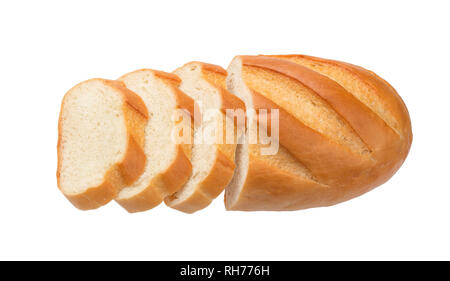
{"x":342,"y":131}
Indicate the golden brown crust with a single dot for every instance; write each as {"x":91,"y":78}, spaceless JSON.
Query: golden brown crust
{"x":346,"y":173}
{"x":389,"y":95}
{"x":131,"y":98}
{"x":328,"y":161}
{"x":162,"y":185}
{"x":176,"y":175}
{"x":364,"y":121}
{"x":196,"y":201}
{"x":380,"y":87}
{"x":134,"y":161}
{"x":268,"y":188}
{"x":213,"y":68}
{"x":220,"y":175}
{"x":169,"y":77}
{"x":95,"y":197}
{"x":185,"y":102}
{"x":129,"y":168}
{"x":144,"y":200}
{"x":380,"y":136}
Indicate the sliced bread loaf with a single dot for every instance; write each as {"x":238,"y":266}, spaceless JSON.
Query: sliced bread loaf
{"x":342,"y":131}
{"x":168,"y":166}
{"x":212,"y":157}
{"x":101,"y":134}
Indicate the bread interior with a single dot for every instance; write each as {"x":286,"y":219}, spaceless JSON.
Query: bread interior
{"x":159,"y":147}
{"x":206,"y":133}
{"x":93,"y":135}
{"x":236,"y":86}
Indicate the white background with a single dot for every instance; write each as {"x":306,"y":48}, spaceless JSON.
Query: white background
{"x":46,"y":47}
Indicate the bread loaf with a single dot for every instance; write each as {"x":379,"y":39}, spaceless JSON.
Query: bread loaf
{"x":168,"y":166}
{"x":100,"y":139}
{"x":317,"y":132}
{"x":212,"y":157}
{"x":342,"y":131}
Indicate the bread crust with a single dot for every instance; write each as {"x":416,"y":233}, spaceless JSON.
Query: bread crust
{"x":207,"y":190}
{"x":222,"y":170}
{"x":328,"y":161}
{"x":162,"y":185}
{"x":178,"y":172}
{"x":381,"y":88}
{"x":268,"y":188}
{"x":388,"y":146}
{"x":125,"y":171}
{"x":344,"y":173}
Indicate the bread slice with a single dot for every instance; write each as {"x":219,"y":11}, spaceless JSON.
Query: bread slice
{"x":168,"y":166}
{"x":101,"y":134}
{"x":341,"y":132}
{"x":212,"y":157}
